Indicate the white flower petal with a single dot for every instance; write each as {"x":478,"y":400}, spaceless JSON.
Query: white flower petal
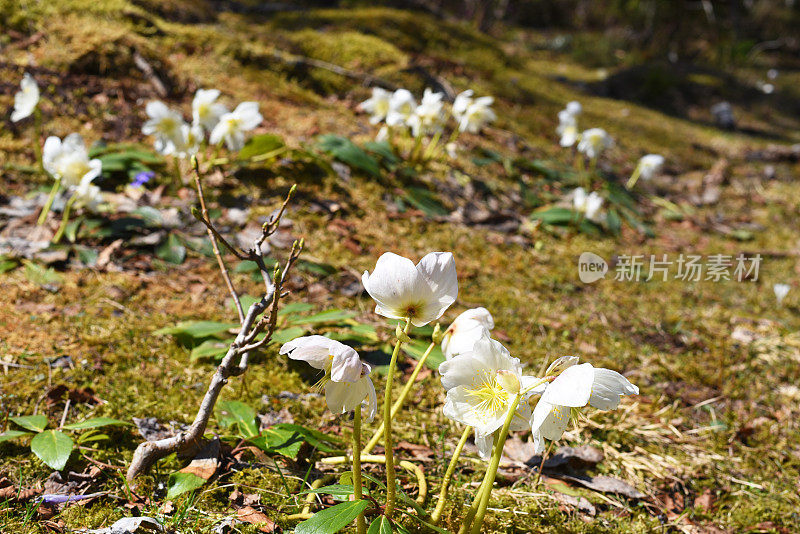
{"x":608,"y":388}
{"x":315,"y":350}
{"x":397,"y":286}
{"x":572,"y":388}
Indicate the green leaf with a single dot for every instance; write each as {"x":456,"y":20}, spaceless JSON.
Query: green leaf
{"x":333,"y":489}
{"x":285,"y":335}
{"x":381,"y":525}
{"x":246,"y":301}
{"x":321,"y":269}
{"x":150,"y":215}
{"x":41,"y":276}
{"x":259,"y":145}
{"x":171,"y":250}
{"x":328,"y":316}
{"x":613,"y":221}
{"x":7,"y":265}
{"x":197,"y":329}
{"x":417,"y":347}
{"x":280,"y":441}
{"x":315,"y":438}
{"x":13,"y":434}
{"x":53,"y":448}
{"x":240,"y":414}
{"x":555,"y":215}
{"x":348,"y":152}
{"x":36,"y":423}
{"x":96,"y":422}
{"x":384,"y":150}
{"x":71,"y":229}
{"x":332,"y":519}
{"x":209,"y":349}
{"x":180,"y":483}
{"x":425,"y":201}
{"x":295,"y":307}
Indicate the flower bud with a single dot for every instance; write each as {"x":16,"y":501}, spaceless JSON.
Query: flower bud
{"x":401,"y":335}
{"x":437,"y":335}
{"x":560,"y":364}
{"x":508,"y":381}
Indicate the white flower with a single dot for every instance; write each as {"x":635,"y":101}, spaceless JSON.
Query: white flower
{"x":401,"y":106}
{"x":26,"y":98}
{"x":574,"y":108}
{"x":233,"y":125}
{"x":87,"y":195}
{"x":165,"y":124}
{"x":377,"y":105}
{"x":477,"y":114}
{"x":567,"y":128}
{"x":594,"y":141}
{"x":650,"y":165}
{"x":461,"y":103}
{"x":589,"y":204}
{"x":481,"y":386}
{"x":429,"y":116}
{"x":69,"y":161}
{"x":206,"y":111}
{"x":419,"y":292}
{"x":465,"y":330}
{"x":781,"y":290}
{"x":346,"y":381}
{"x":189,"y":141}
{"x":576,"y":387}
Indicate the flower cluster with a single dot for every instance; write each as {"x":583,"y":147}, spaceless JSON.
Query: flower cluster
{"x":174,"y":136}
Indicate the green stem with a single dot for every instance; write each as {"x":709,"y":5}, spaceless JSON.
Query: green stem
{"x":387,"y":428}
{"x":400,"y":400}
{"x":64,"y":219}
{"x":361,"y":522}
{"x":491,"y":473}
{"x":414,"y":155}
{"x":49,"y":203}
{"x":429,"y":150}
{"x":634,"y":177}
{"x":448,"y":475}
{"x":476,"y":501}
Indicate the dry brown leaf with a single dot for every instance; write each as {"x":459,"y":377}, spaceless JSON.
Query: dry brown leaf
{"x":206,"y":462}
{"x":248,"y":514}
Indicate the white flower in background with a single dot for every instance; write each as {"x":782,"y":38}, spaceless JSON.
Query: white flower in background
{"x":26,"y":98}
{"x":567,"y":128}
{"x":420,"y":292}
{"x":68,"y":160}
{"x":232,"y":126}
{"x":650,"y":165}
{"x":206,"y":111}
{"x":594,"y":141}
{"x":383,"y":134}
{"x":451,"y":149}
{"x":346,"y":382}
{"x":87,"y":195}
{"x":481,"y":386}
{"x":165,"y":124}
{"x":781,"y":290}
{"x":189,"y":141}
{"x":574,"y":108}
{"x":377,"y":105}
{"x":401,"y":107}
{"x":589,"y":204}
{"x":577,"y":386}
{"x":429,"y":116}
{"x":465,"y":330}
{"x":461,"y":103}
{"x":477,"y":114}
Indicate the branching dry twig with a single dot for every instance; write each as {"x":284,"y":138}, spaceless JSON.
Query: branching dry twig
{"x":236,"y":359}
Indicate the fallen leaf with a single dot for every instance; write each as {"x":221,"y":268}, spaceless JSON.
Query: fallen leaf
{"x":248,"y":514}
{"x":604,"y":484}
{"x":206,"y":462}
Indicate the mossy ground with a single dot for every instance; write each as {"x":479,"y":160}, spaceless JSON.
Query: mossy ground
{"x":711,"y":414}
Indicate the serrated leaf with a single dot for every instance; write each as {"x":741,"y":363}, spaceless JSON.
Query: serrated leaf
{"x":96,"y":422}
{"x":197,"y":329}
{"x":180,"y":483}
{"x":171,"y":250}
{"x":381,"y":525}
{"x":327,"y":316}
{"x":35,"y":423}
{"x":53,"y":448}
{"x":333,"y":519}
{"x":240,"y":414}
{"x":260,"y":145}
{"x":13,"y":434}
{"x":348,"y":152}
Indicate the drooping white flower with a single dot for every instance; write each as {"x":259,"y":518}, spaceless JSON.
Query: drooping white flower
{"x":377,"y":105}
{"x":189,"y":141}
{"x":68,"y":160}
{"x":574,"y":108}
{"x":401,"y":107}
{"x":206,"y":111}
{"x":87,"y":195}
{"x":650,"y":165}
{"x":481,"y":386}
{"x":478,"y":114}
{"x":589,"y":204}
{"x":420,"y":292}
{"x":26,"y":98}
{"x":594,"y":141}
{"x":465,"y":330}
{"x":346,"y":382}
{"x":461,"y":103}
{"x":165,"y":124}
{"x":781,"y":290}
{"x":567,"y":128}
{"x":577,"y":386}
{"x":232,"y":126}
{"x":429,"y":116}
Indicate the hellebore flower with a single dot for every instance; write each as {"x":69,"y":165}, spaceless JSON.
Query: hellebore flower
{"x":477,"y":115}
{"x":781,"y":290}
{"x":206,"y":111}
{"x":377,"y":105}
{"x":589,"y":204}
{"x":420,"y":293}
{"x":567,"y":128}
{"x":401,"y":106}
{"x":577,"y":386}
{"x":650,"y":165}
{"x":574,"y":108}
{"x":346,"y":381}
{"x":593,"y":142}
{"x":165,"y":124}
{"x":481,"y":386}
{"x":232,"y":126}
{"x":429,"y":116}
{"x":26,"y":98}
{"x":465,"y":330}
{"x":69,"y":161}
{"x":189,"y":141}
{"x":461,"y":103}
{"x":86,"y":194}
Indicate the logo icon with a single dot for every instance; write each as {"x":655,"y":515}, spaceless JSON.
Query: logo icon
{"x":591,"y":267}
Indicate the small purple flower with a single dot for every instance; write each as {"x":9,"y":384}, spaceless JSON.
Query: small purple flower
{"x":142,"y":178}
